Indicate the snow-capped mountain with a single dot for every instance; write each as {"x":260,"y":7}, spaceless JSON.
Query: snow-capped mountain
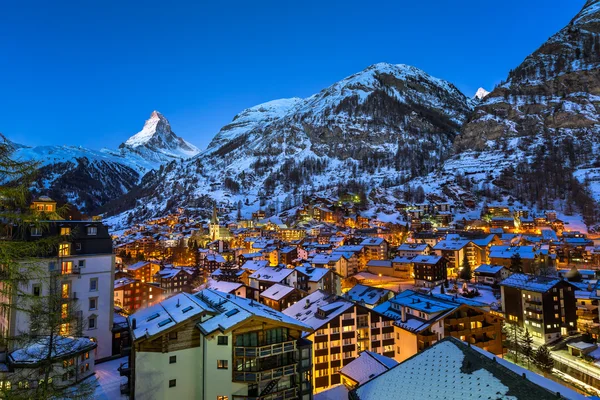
{"x":480,"y":94}
{"x":89,"y":178}
{"x":388,"y":122}
{"x":156,"y":143}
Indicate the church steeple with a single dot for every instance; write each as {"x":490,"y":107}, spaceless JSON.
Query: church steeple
{"x":215,"y":218}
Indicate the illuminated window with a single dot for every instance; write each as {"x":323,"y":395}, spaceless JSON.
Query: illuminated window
{"x":66,"y":288}
{"x":65,"y":231}
{"x":64,"y":249}
{"x":222,"y":364}
{"x":64,"y":311}
{"x":67,"y":267}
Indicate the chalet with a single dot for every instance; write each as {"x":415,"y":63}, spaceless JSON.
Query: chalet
{"x":367,"y":296}
{"x":413,"y":249}
{"x":266,"y":277}
{"x":133,"y":294}
{"x":311,"y":279}
{"x":491,"y":274}
{"x":176,"y":279}
{"x":238,"y":348}
{"x":143,"y":271}
{"x":279,"y":297}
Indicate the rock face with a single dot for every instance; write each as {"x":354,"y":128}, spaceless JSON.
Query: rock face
{"x":89,"y":178}
{"x":556,"y":90}
{"x":537,"y":135}
{"x":385,"y":122}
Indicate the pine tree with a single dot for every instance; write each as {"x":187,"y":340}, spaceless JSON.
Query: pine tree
{"x":516,"y":265}
{"x":465,"y":272}
{"x":527,"y":346}
{"x":512,"y":332}
{"x":543,"y":359}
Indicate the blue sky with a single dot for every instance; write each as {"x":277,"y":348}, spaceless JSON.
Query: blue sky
{"x":89,"y":73}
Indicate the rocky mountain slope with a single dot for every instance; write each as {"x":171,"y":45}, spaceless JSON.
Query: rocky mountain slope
{"x":537,"y":135}
{"x":386,"y":123}
{"x":89,"y":178}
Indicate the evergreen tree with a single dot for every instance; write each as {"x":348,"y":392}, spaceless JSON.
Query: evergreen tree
{"x":512,"y":332}
{"x":527,"y":346}
{"x":516,"y":265}
{"x":543,"y":359}
{"x":465,"y":272}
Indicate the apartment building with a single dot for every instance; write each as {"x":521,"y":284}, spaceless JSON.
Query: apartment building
{"x":213,"y":345}
{"x":430,"y":270}
{"x":342,"y":329}
{"x":143,"y":271}
{"x":83,"y":268}
{"x":132,"y":294}
{"x":546,"y":306}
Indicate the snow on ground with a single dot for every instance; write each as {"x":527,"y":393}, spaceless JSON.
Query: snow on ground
{"x":109,"y":380}
{"x":573,"y":222}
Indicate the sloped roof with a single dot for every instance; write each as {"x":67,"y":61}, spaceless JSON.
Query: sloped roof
{"x":452,"y":370}
{"x":367,"y":366}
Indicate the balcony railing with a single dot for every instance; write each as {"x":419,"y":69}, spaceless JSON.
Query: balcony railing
{"x":285,"y":394}
{"x":265,"y":351}
{"x":275,"y":373}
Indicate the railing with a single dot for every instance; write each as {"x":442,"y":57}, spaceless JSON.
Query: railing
{"x":265,"y":351}
{"x":284,"y":394}
{"x":275,"y":373}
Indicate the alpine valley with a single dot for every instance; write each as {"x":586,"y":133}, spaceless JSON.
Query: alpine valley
{"x":390,"y":134}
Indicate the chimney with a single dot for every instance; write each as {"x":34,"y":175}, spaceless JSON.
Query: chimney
{"x":133,"y":324}
{"x":178,"y":305}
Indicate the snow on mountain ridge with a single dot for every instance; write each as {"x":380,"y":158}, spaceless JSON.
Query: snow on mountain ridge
{"x":481,"y":93}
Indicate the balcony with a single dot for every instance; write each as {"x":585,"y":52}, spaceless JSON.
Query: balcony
{"x":268,"y":375}
{"x":284,"y":394}
{"x":265,"y":351}
{"x":533,"y":301}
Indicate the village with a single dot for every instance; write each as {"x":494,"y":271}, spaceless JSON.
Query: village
{"x":392,"y":289}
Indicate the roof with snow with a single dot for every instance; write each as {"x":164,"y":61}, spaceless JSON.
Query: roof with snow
{"x":453,"y":244}
{"x":318,"y":308}
{"x":367,"y":366}
{"x":272,"y":274}
{"x":525,"y":252}
{"x":420,"y":247}
{"x":533,"y":283}
{"x":139,"y":265}
{"x":374,"y":241}
{"x":277,"y":292}
{"x":224,"y":286}
{"x":380,"y":263}
{"x":488,"y":269}
{"x":452,"y":370}
{"x":62,"y":346}
{"x":366,"y":294}
{"x":315,"y":274}
{"x":255,"y":265}
{"x":426,"y":259}
{"x":224,"y":311}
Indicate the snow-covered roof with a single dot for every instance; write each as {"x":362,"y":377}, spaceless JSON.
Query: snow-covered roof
{"x":224,"y":286}
{"x":318,"y":308}
{"x":533,"y":283}
{"x":452,"y":370}
{"x":233,"y":310}
{"x":272,"y":274}
{"x":171,"y":272}
{"x":525,"y":252}
{"x":224,"y":312}
{"x":420,"y":247}
{"x":61,"y":346}
{"x":255,"y":265}
{"x":368,"y":295}
{"x":488,"y":269}
{"x":453,"y":245}
{"x":277,"y":292}
{"x":373,"y":241}
{"x":139,"y":265}
{"x":336,"y":392}
{"x":367,"y":366}
{"x":426,"y":259}
{"x":315,"y":274}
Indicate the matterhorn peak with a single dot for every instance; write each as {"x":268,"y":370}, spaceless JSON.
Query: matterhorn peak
{"x":481,"y":93}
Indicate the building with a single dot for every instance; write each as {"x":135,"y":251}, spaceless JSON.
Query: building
{"x":266,"y":277}
{"x":453,"y":370}
{"x":375,"y":248}
{"x":279,"y":297}
{"x":342,"y":330}
{"x":491,"y":274}
{"x":213,"y":345}
{"x":73,"y":360}
{"x":143,"y":271}
{"x":430,"y":270}
{"x":132,"y":294}
{"x":423,"y":319}
{"x":545,"y":306}
{"x":176,"y":279}
{"x":413,"y":249}
{"x":84,"y":267}
{"x":311,"y":279}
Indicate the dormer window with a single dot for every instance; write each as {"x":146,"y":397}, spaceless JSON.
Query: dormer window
{"x":65,"y":231}
{"x":92,"y":231}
